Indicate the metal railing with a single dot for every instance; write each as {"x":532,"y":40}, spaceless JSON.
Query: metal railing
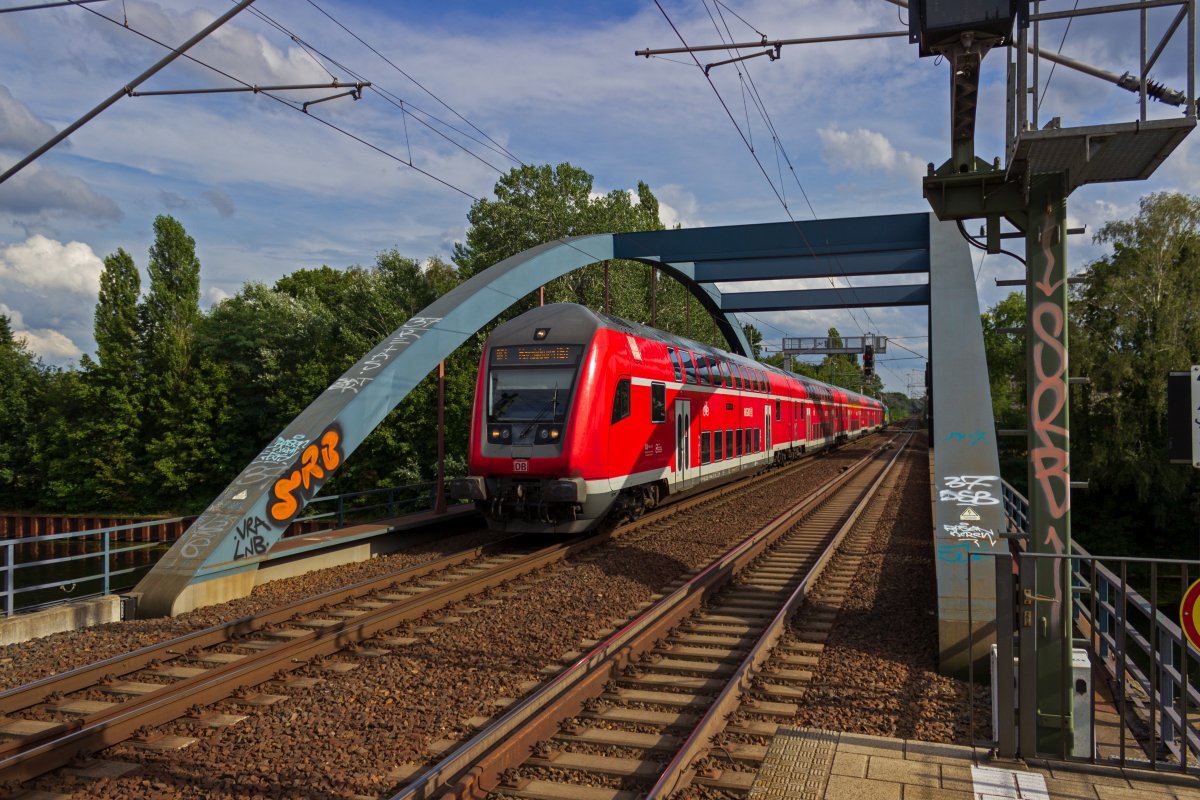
{"x":110,"y":546}
{"x":355,"y":506}
{"x":1151,"y":668}
{"x":100,"y":561}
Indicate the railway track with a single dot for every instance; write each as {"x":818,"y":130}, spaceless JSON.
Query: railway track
{"x":47,"y":723}
{"x":640,"y":714}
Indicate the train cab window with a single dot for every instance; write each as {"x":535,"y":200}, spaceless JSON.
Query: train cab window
{"x":689,"y":366}
{"x":621,"y":401}
{"x":674,"y":363}
{"x":658,"y":402}
{"x":705,"y":447}
{"x":757,"y":440}
{"x":738,"y":441}
{"x":779,"y":411}
{"x":718,"y":449}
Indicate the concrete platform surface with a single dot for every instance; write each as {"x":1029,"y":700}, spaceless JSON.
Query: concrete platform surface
{"x":812,"y":764}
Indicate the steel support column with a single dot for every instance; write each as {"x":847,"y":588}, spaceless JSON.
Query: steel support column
{"x":968,"y":514}
{"x":1049,"y":461}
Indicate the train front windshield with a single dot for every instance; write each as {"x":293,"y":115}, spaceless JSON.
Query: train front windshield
{"x":517,"y":394}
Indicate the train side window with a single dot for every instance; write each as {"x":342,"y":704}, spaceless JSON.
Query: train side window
{"x":737,"y":378}
{"x":702,"y":368}
{"x":725,"y":374}
{"x":621,"y":401}
{"x":745,"y":377}
{"x":738,"y":439}
{"x":718,"y":450}
{"x":689,"y":366}
{"x":757,"y":440}
{"x":729,"y":443}
{"x":779,"y":411}
{"x":658,"y":402}
{"x":705,"y":447}
{"x":674,"y":363}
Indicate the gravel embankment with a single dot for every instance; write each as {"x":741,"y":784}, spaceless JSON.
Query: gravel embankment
{"x":352,"y":732}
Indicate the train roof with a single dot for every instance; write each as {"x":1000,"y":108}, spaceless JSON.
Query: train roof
{"x":583,"y":322}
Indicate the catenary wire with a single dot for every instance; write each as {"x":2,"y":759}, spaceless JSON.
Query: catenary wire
{"x":415,"y":81}
{"x":389,"y":97}
{"x":760,"y":105}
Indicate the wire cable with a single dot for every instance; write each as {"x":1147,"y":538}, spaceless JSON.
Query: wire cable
{"x":415,"y":81}
{"x":760,"y":105}
{"x":399,"y":103}
{"x":279,"y":100}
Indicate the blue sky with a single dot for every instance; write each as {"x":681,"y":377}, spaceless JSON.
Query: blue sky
{"x":265,"y":190}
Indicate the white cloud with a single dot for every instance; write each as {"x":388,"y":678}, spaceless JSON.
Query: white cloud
{"x":45,"y":342}
{"x":677,"y":206}
{"x":20,"y":129}
{"x":38,"y":190}
{"x":49,"y":344}
{"x":216,"y":294}
{"x":221,"y":202}
{"x":863,"y":150}
{"x":48,"y":266}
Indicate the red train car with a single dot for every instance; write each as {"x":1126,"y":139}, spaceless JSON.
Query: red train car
{"x":580,"y":415}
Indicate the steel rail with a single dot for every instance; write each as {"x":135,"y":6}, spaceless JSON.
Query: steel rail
{"x":30,"y":756}
{"x":21,"y":697}
{"x":55,"y":747}
{"x":474,"y":768}
{"x":678,"y":773}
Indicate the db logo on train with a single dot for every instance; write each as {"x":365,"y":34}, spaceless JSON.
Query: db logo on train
{"x":1189,"y":613}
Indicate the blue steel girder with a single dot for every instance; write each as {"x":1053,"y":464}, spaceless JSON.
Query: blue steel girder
{"x":845,"y":236}
{"x":916,"y":294}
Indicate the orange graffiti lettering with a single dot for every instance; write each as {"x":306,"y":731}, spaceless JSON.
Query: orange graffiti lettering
{"x":306,"y":476}
{"x":283,"y":490}
{"x":329,"y":449}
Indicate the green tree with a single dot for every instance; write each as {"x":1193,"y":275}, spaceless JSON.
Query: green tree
{"x":23,"y":389}
{"x":1135,"y":321}
{"x":110,"y":449}
{"x":539,"y":203}
{"x":169,"y":316}
{"x":754,"y":338}
{"x":1005,"y":352}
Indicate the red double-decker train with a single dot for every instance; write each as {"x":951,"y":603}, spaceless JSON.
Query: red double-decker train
{"x":580,"y":416}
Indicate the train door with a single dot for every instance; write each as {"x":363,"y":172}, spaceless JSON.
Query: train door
{"x":683,"y":440}
{"x":767,"y":431}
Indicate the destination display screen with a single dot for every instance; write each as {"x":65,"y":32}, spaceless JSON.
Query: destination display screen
{"x":526,"y":354}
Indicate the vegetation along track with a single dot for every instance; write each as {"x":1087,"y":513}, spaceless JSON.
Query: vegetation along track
{"x":636,"y":715}
{"x":48,"y":722}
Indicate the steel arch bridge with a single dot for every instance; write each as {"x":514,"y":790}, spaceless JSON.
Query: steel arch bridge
{"x":211,"y":563}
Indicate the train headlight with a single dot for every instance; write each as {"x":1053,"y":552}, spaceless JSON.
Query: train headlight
{"x":499,"y":434}
{"x":548,"y":434}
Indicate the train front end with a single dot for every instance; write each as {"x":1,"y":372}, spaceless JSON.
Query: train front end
{"x":526,"y":470}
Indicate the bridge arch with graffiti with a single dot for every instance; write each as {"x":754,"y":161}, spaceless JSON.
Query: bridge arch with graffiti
{"x":212,"y":561}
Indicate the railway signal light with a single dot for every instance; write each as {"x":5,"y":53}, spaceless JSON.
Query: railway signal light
{"x":868,"y":361}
